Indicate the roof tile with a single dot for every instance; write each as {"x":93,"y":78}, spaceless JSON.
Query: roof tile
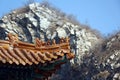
{"x":18,"y":52}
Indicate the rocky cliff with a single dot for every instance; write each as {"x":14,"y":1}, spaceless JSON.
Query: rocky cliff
{"x":108,"y":58}
{"x":46,"y":22}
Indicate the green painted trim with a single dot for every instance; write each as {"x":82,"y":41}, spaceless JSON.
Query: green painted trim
{"x":46,"y":68}
{"x":52,"y":65}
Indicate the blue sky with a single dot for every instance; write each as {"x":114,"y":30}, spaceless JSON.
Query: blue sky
{"x":103,"y":15}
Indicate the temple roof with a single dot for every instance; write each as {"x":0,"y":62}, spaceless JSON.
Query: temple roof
{"x":13,"y":51}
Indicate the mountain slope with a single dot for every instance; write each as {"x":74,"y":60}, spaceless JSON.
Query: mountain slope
{"x":45,"y":22}
{"x":95,"y":58}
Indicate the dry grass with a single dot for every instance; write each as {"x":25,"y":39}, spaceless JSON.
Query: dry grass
{"x":94,"y":31}
{"x":103,"y":51}
{"x":24,"y":9}
{"x":70,"y":18}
